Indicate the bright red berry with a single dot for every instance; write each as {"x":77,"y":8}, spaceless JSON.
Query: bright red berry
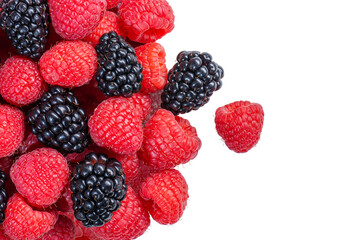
{"x":112,"y":3}
{"x":168,"y":141}
{"x":40,"y":176}
{"x":146,"y":20}
{"x":69,"y":64}
{"x":130,"y":164}
{"x":152,"y":58}
{"x":240,"y":124}
{"x":166,"y":195}
{"x":142,"y":104}
{"x":64,"y":229}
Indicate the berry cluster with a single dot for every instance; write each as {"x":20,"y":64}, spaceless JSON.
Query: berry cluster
{"x":90,"y":133}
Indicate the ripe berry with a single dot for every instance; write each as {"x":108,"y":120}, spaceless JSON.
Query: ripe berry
{"x":64,"y":229}
{"x":3,"y":196}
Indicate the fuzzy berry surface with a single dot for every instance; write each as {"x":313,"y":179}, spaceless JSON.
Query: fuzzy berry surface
{"x":20,"y":81}
{"x":240,"y":124}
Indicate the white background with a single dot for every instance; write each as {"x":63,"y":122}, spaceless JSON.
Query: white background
{"x":300,"y":60}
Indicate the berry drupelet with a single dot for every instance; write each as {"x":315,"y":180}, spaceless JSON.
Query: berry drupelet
{"x":3,"y":196}
{"x":191,"y":82}
{"x":59,"y":122}
{"x":26,"y":23}
{"x":119,"y":73}
{"x":98,"y":187}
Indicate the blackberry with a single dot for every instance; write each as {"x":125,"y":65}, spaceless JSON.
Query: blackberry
{"x":3,"y":196}
{"x":191,"y":82}
{"x":26,"y":23}
{"x":120,"y":73}
{"x":98,"y":187}
{"x":59,"y":122}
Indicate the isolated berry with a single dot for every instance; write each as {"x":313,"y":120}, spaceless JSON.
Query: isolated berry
{"x":191,"y":82}
{"x":26,"y":24}
{"x":58,"y":121}
{"x":74,"y":19}
{"x":240,"y":124}
{"x":116,"y":125}
{"x":69,"y":64}
{"x":64,"y":229}
{"x":168,"y":141}
{"x":146,"y":20}
{"x":166,"y":195}
{"x":22,"y":222}
{"x":120,"y":72}
{"x":152,"y":58}
{"x":12,"y":129}
{"x":20,"y":81}
{"x":40,"y":176}
{"x":3,"y":196}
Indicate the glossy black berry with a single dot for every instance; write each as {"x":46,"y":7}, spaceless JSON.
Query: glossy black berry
{"x":59,"y":122}
{"x":98,"y":187}
{"x":119,"y":72}
{"x":3,"y":196}
{"x":191,"y":82}
{"x":26,"y":23}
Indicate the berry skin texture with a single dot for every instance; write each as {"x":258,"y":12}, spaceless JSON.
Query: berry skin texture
{"x":20,"y":81}
{"x":74,"y":19}
{"x":116,"y":125}
{"x":131,"y":165}
{"x":168,"y":141}
{"x":128,"y":223}
{"x":64,"y":229}
{"x":142,"y":104}
{"x":24,"y":223}
{"x":12,"y":129}
{"x":166,"y":195}
{"x":40,"y":176}
{"x":112,"y":3}
{"x":146,"y":21}
{"x":152,"y":58}
{"x":240,"y":124}
{"x":69,"y":64}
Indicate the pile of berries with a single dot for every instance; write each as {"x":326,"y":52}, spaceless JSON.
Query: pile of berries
{"x":90,"y":132}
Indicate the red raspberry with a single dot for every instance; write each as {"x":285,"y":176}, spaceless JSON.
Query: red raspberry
{"x":112,"y":3}
{"x":129,"y":222}
{"x":22,"y":222}
{"x":74,"y":19}
{"x":168,"y":141}
{"x":110,"y":22}
{"x":142,"y":104}
{"x":152,"y":58}
{"x":20,"y":81}
{"x":29,"y":143}
{"x":12,"y":129}
{"x":64,"y":203}
{"x":2,"y":234}
{"x":130,"y":164}
{"x":116,"y":125}
{"x":69,"y":64}
{"x":143,"y":173}
{"x":146,"y":20}
{"x":240,"y":124}
{"x":166,"y":195}
{"x":40,"y":176}
{"x":64,"y":229}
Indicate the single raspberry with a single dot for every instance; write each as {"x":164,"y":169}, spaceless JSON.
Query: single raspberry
{"x":109,"y":23}
{"x":130,"y":164}
{"x":142,"y":104}
{"x":240,"y":124}
{"x":74,"y":19}
{"x":112,"y":3}
{"x":168,"y":141}
{"x":22,"y":222}
{"x":116,"y":125}
{"x":64,"y":229}
{"x":166,"y":195}
{"x":12,"y":129}
{"x":128,"y":223}
{"x":69,"y":64}
{"x":152,"y":58}
{"x":3,"y":196}
{"x":146,"y":20}
{"x":40,"y":176}
{"x":20,"y":81}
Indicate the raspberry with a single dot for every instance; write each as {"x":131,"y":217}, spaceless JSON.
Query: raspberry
{"x":166,"y":195}
{"x":64,"y":203}
{"x":30,"y":143}
{"x":117,"y":126}
{"x":64,"y":229}
{"x":112,"y":3}
{"x":152,"y":58}
{"x":168,"y":141}
{"x":240,"y":124}
{"x":131,"y":164}
{"x":6,"y":163}
{"x":40,"y":176}
{"x":12,"y":129}
{"x":3,"y":196}
{"x":22,"y":222}
{"x":146,"y":20}
{"x":74,"y":19}
{"x":129,"y":222}
{"x":142,"y":104}
{"x":20,"y":81}
{"x":69,"y":64}
{"x":109,"y":23}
